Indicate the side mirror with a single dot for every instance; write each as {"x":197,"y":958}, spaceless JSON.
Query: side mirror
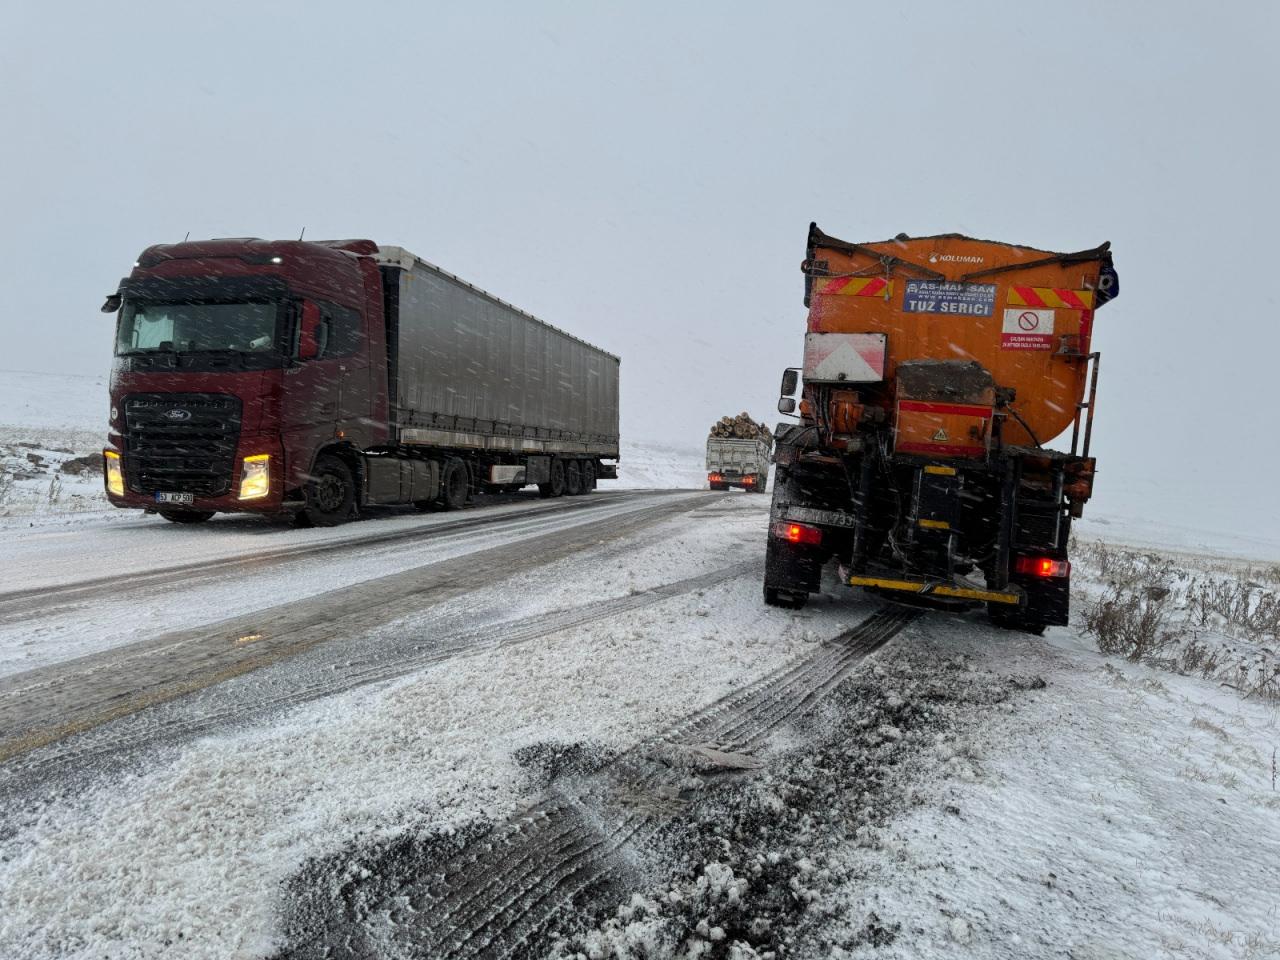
{"x":787,"y":405}
{"x":790,"y":380}
{"x":112,"y":303}
{"x":309,"y":331}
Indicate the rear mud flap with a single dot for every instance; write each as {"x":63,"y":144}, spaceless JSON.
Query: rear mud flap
{"x":938,"y":589}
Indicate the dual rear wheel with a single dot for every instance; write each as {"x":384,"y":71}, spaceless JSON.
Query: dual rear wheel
{"x":569,"y":478}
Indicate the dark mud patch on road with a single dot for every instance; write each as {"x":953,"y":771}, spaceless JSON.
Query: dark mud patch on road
{"x":332,"y":903}
{"x":549,"y":760}
{"x":758,"y":867}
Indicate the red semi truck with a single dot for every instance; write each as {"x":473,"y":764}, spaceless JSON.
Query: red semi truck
{"x":310,"y":379}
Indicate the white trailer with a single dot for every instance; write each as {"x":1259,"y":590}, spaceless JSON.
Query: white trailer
{"x":738,"y":463}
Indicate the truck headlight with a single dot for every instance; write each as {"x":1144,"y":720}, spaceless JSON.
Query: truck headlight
{"x":115,"y":476}
{"x":255,"y":477}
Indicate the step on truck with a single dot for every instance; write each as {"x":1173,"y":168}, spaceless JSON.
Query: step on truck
{"x":736,"y":462}
{"x":937,"y":371}
{"x":312,"y":379}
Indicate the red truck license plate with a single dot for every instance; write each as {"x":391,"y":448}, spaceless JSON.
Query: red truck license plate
{"x":187,"y":498}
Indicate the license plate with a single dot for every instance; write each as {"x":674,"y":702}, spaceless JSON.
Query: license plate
{"x":187,"y":498}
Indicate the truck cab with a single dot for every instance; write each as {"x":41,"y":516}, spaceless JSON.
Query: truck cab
{"x":238,"y":363}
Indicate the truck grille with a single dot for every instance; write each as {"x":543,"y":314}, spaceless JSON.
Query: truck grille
{"x":181,"y":442}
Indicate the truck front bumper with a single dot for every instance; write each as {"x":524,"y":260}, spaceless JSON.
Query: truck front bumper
{"x":271,"y":502}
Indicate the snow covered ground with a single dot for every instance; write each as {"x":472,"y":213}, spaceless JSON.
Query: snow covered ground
{"x":983,"y":793}
{"x":196,"y":849}
{"x":1109,"y":790}
{"x":970,"y":792}
{"x":48,"y":424}
{"x":661,"y":466}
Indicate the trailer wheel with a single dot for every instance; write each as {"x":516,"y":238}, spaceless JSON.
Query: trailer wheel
{"x":186,"y":516}
{"x":555,"y":486}
{"x":572,"y":479}
{"x":330,"y":494}
{"x":588,"y":476}
{"x":453,"y":492}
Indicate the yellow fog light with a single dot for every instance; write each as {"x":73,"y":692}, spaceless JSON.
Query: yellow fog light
{"x":255,"y":479}
{"x":115,"y":476}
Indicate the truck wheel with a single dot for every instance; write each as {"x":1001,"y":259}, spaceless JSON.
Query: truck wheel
{"x":784,"y":598}
{"x":555,"y":486}
{"x":453,"y":492}
{"x":572,"y":479}
{"x":330,"y":494}
{"x":588,"y":476}
{"x":1007,"y":617}
{"x":186,"y":516}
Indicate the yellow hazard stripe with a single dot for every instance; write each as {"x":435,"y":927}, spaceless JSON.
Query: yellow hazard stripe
{"x":1052,"y":297}
{"x":856,"y":287}
{"x":938,"y":590}
{"x":933,"y":524}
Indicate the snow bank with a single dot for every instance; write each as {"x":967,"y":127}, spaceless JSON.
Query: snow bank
{"x":1121,"y":813}
{"x":39,"y":402}
{"x":195,"y":851}
{"x":658,"y":466}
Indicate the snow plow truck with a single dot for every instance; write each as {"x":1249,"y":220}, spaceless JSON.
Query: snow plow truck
{"x":936,"y":372}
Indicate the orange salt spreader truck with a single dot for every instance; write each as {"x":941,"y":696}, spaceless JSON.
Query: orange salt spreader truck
{"x":936,"y":372}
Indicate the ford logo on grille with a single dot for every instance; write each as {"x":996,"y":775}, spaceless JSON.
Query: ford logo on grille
{"x":177,"y":414}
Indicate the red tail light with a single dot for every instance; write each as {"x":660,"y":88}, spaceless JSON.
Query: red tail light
{"x":714,"y":477}
{"x":797,"y":533}
{"x":1042,"y":567}
{"x":748,"y":481}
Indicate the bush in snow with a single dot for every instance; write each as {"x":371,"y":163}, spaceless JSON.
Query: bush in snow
{"x":1214,"y":618}
{"x":1246,"y":605}
{"x":1132,"y":622}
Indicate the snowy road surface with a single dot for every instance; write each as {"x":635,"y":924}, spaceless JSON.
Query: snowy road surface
{"x":573,"y":729}
{"x":144,"y":574}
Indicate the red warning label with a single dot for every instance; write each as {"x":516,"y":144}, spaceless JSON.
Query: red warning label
{"x":1027,"y":329}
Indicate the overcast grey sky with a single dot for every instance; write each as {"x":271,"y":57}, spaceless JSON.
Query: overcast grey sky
{"x":644,"y":175}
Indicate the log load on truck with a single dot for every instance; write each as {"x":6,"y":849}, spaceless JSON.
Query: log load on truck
{"x":738,"y":451}
{"x":936,"y":371}
{"x":310,"y":379}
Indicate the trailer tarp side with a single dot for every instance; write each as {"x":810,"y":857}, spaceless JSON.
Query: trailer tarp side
{"x":473,"y":371}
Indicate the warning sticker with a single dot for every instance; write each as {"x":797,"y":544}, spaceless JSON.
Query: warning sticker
{"x":1026,"y":329}
{"x":944,"y":296}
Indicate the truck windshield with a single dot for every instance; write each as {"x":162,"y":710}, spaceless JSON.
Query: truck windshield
{"x":197,"y":328}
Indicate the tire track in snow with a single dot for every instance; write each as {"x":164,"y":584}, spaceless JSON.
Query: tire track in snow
{"x":270,"y":697}
{"x":17,"y":606}
{"x":50,"y":704}
{"x":490,"y":898}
